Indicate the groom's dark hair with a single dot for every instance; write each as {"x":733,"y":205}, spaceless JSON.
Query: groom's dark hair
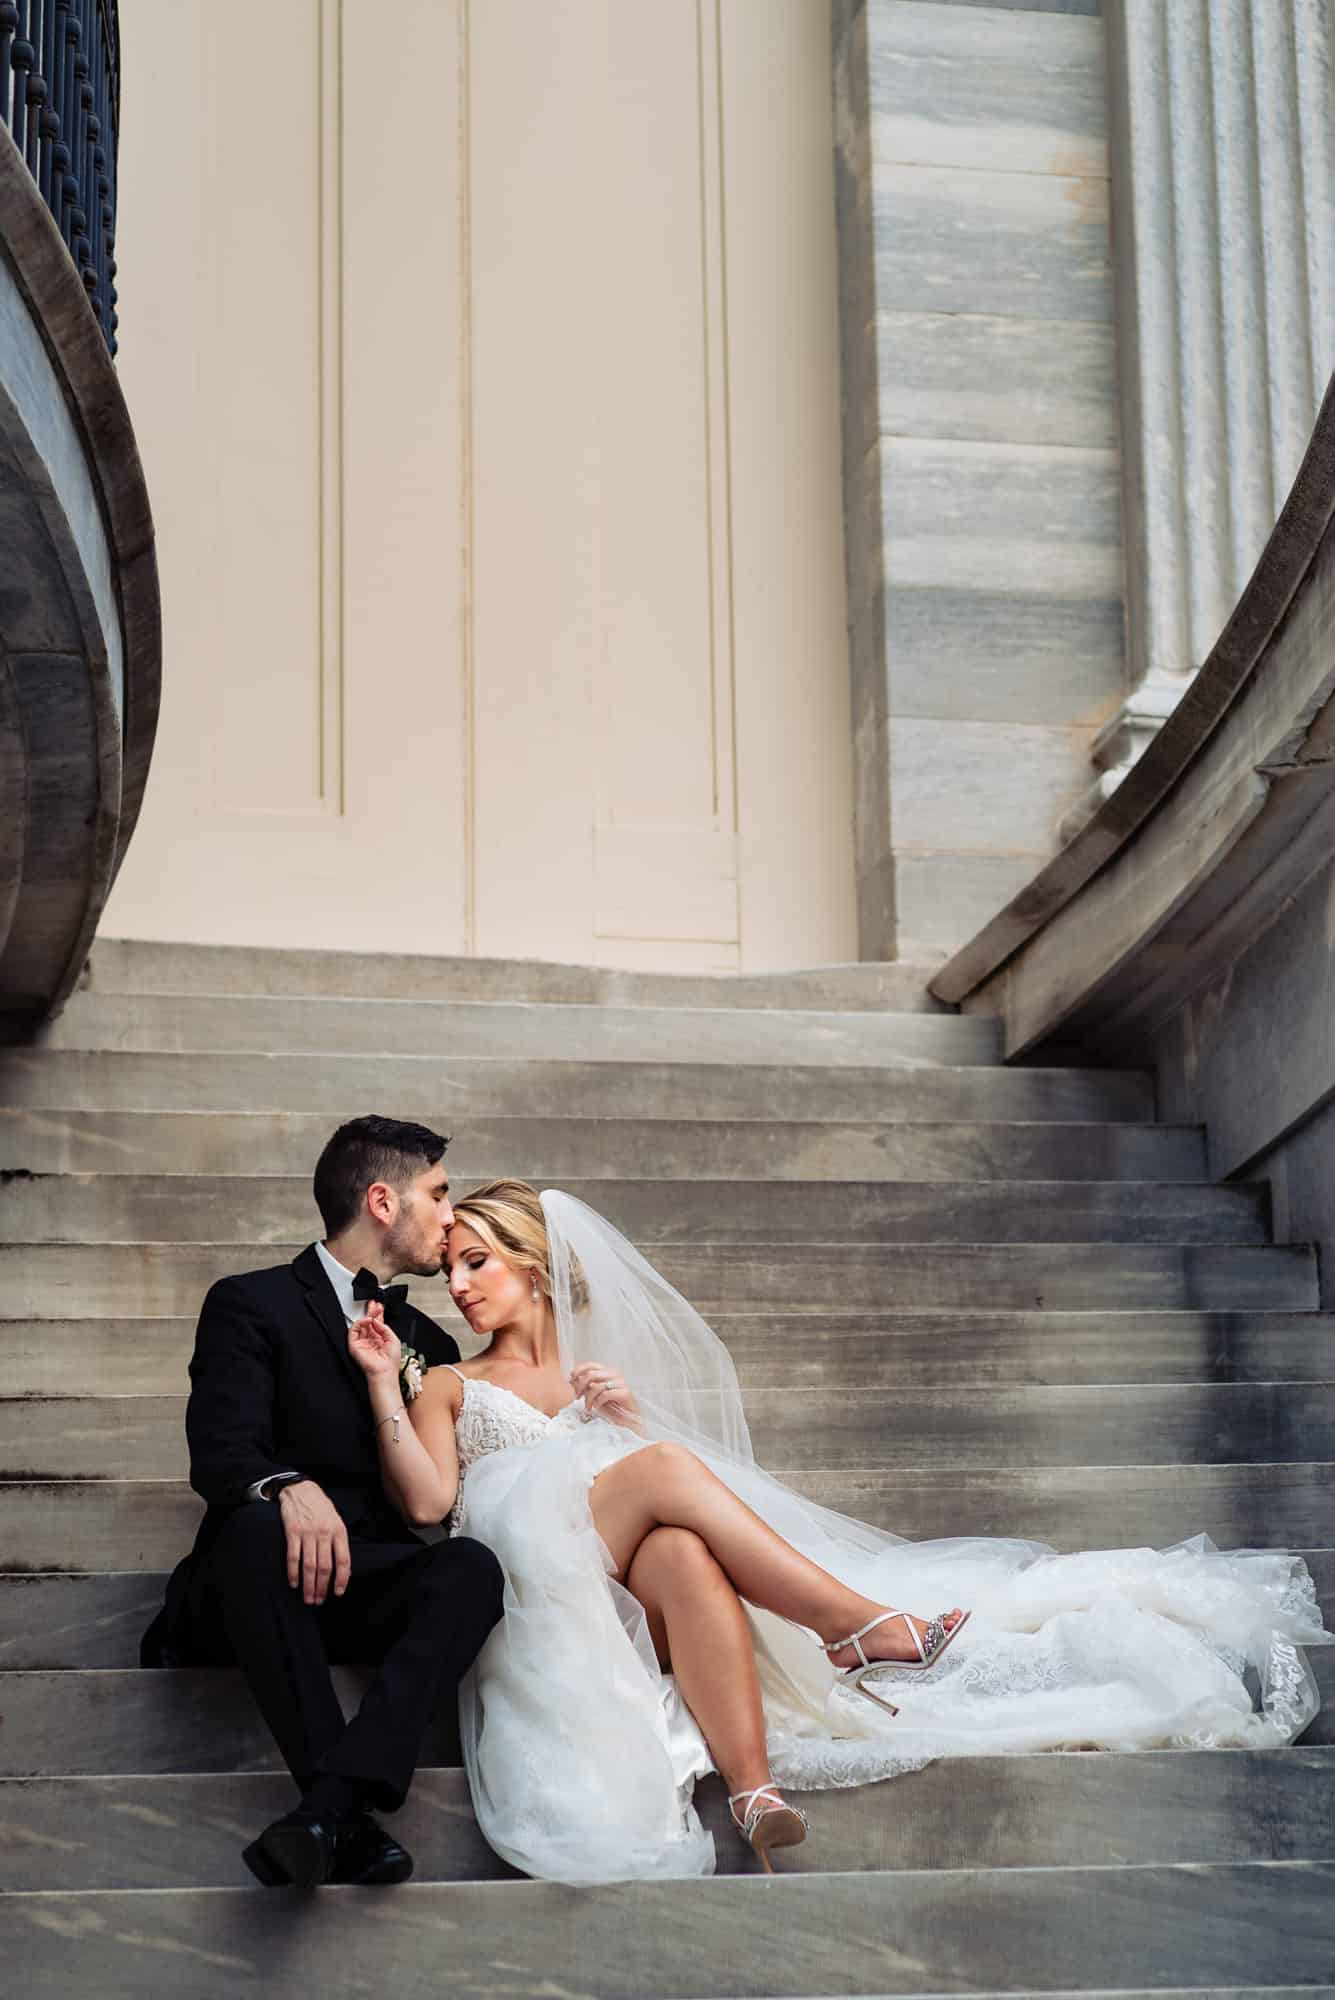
{"x":366,"y":1150}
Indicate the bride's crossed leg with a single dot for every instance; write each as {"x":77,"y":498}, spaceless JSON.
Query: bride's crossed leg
{"x":689,"y":1549}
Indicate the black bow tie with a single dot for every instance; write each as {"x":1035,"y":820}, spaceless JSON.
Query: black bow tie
{"x":366,"y":1286}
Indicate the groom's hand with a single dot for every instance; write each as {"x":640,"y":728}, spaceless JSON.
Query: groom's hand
{"x":317,"y":1541}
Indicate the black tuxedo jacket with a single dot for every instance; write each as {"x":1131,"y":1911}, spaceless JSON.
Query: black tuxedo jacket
{"x":274,"y":1389}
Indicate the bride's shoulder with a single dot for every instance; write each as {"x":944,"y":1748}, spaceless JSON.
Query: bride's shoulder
{"x":444,"y":1383}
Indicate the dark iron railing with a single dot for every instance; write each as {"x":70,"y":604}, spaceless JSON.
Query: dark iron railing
{"x":60,"y":97}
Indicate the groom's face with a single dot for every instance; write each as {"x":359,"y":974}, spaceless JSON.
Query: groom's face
{"x":420,"y":1230}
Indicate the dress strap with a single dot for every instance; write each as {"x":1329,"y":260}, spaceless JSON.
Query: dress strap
{"x":453,"y":1370}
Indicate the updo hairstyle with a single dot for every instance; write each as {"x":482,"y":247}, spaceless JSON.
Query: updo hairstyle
{"x":508,"y":1216}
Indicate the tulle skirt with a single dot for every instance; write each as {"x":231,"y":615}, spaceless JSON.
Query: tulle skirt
{"x":582,"y":1756}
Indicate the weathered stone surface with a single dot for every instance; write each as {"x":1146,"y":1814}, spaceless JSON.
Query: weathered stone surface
{"x":937,"y":893}
{"x":124,"y":1208}
{"x":65,"y":1281}
{"x":144,"y":1524}
{"x":975,"y":1931}
{"x":125,"y":965}
{"x":1007,"y":96}
{"x":80,"y":609}
{"x":952,"y":777}
{"x":87,"y":1723}
{"x":1013,"y":653}
{"x":1030,"y":246}
{"x":778,"y":1349}
{"x":1034,"y":1427}
{"x":988,"y":517}
{"x":555,"y":1149}
{"x":990,"y":378}
{"x":1262,"y":680}
{"x":54,"y":1620}
{"x":441,"y":1088}
{"x":453,"y":1031}
{"x":185,"y":1831}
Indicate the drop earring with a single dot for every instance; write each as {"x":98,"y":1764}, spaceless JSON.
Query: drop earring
{"x":533,"y":1287}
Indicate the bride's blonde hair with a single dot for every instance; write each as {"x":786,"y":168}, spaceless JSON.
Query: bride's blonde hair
{"x":508,"y":1216}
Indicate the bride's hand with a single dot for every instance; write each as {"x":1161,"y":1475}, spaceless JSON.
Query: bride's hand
{"x":605,"y":1394}
{"x":374,"y":1346}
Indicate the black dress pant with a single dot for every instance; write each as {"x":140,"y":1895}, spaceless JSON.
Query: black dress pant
{"x":421,"y":1611}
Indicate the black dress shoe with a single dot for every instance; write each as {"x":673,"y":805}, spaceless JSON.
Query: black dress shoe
{"x":368,"y":1856}
{"x":297,"y":1851}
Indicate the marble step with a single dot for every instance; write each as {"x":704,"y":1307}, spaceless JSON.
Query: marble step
{"x":797,"y":1352}
{"x":443,"y":1089}
{"x":85,"y":1280}
{"x":1247,"y":1423}
{"x":903,"y":1933}
{"x":123,"y":965}
{"x":268,"y":1208}
{"x":144,"y":1524}
{"x":144,"y":1831}
{"x":103,"y":1722}
{"x":448,"y":1031}
{"x":551,"y":1149}
{"x":96,"y":1620}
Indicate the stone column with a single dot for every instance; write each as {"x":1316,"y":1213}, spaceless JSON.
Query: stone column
{"x":1222,"y":152}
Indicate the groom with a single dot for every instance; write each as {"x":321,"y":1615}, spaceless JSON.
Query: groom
{"x":300,"y":1559}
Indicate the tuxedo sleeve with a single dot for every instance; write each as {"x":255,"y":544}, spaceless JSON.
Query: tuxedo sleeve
{"x":229,"y":1419}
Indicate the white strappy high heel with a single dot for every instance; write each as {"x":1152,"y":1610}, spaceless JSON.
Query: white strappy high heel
{"x":767,"y":1820}
{"x":931,"y":1643}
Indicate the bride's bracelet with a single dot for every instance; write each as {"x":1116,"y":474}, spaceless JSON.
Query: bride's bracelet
{"x":393,"y":1418}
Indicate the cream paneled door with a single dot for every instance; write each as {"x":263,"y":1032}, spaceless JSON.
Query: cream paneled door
{"x":295,"y":380}
{"x":486,"y":378}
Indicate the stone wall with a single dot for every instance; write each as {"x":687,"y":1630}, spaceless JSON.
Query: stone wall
{"x":980,"y":443}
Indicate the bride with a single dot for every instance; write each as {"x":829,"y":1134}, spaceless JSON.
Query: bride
{"x":672,"y":1610}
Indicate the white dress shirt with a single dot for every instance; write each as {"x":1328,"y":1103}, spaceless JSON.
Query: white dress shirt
{"x":341,"y":1278}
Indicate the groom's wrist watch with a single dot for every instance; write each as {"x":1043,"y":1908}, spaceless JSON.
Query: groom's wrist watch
{"x":272,"y":1485}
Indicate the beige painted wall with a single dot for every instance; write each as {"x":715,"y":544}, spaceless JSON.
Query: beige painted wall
{"x":489,"y":407}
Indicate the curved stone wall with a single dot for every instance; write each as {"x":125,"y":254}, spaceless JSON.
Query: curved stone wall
{"x":1191,"y":927}
{"x":80,"y":643}
{"x":1071,"y":955}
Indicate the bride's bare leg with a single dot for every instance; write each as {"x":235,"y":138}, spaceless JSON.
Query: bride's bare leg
{"x":700,"y":1631}
{"x":667,"y":1486}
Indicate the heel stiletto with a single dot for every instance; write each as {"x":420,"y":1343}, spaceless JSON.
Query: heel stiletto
{"x":931,"y":1643}
{"x":768,"y":1821}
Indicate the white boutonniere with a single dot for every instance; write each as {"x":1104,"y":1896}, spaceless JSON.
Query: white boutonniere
{"x":412,"y":1367}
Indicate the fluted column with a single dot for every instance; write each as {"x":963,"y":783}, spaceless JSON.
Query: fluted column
{"x":1222,"y":151}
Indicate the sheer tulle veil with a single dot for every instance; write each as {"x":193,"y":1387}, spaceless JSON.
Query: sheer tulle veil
{"x":612,"y":1307}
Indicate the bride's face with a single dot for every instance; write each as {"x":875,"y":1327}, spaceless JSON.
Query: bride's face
{"x":488,"y":1292}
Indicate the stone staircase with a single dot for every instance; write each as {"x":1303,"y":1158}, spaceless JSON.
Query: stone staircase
{"x":1052,"y":1325}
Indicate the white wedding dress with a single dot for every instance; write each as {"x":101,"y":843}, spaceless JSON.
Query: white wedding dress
{"x":580,"y":1753}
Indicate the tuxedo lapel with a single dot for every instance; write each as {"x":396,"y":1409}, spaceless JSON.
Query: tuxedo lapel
{"x":326,"y":1310}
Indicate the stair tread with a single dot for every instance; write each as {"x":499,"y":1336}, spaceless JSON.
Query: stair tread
{"x":76,"y":1208}
{"x":553,"y":1148}
{"x":452,"y":1030}
{"x":54,"y":1620}
{"x":903,"y":1933}
{"x":58,"y":1281}
{"x":1013,"y":1428}
{"x":147,"y":1524}
{"x":1025,"y":1812}
{"x":433,"y":1086}
{"x":120,"y":965}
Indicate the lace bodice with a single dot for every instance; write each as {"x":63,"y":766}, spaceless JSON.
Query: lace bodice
{"x":492,"y":1418}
